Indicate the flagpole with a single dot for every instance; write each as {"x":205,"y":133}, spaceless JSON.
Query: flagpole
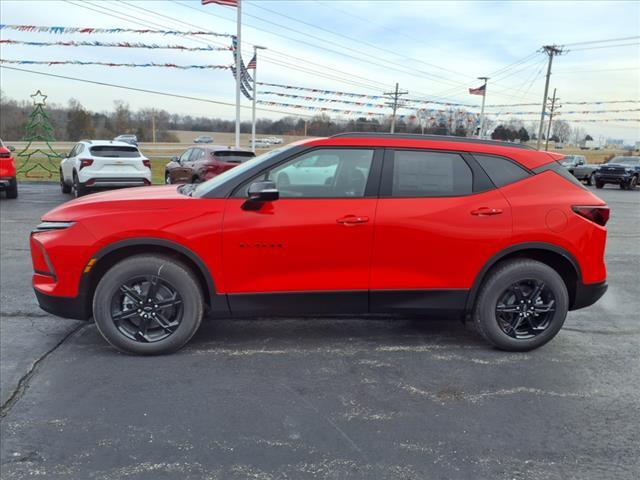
{"x":255,"y":94}
{"x":484,"y":96}
{"x":238,"y":71}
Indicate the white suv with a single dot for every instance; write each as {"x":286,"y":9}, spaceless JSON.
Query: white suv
{"x":103,"y":164}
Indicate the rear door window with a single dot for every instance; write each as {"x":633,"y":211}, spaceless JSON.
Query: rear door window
{"x":114,"y":151}
{"x":196,"y":155}
{"x":430,"y":174}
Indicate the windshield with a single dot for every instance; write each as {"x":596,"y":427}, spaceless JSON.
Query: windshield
{"x":626,"y":160}
{"x":205,"y":187}
{"x":232,"y":156}
{"x":568,"y":159}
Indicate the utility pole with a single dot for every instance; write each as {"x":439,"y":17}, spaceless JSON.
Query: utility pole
{"x":395,"y":96}
{"x":551,"y":112}
{"x":255,"y":94}
{"x":238,"y":68}
{"x":484,"y":97}
{"x":153,"y":125}
{"x":550,"y":50}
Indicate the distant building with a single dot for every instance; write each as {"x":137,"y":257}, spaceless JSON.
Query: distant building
{"x":615,"y":142}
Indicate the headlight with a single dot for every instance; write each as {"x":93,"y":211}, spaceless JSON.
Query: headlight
{"x":47,"y":226}
{"x":628,"y":170}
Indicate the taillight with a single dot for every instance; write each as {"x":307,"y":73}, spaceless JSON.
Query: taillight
{"x":599,"y":215}
{"x":147,"y":163}
{"x":5,"y":155}
{"x":85,"y":162}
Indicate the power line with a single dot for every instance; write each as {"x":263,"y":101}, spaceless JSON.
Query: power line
{"x":144,"y":90}
{"x":600,"y":41}
{"x":603,"y":46}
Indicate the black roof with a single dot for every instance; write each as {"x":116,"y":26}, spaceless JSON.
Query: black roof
{"x":442,"y":138}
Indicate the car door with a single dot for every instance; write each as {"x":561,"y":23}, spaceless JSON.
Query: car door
{"x":310,"y":250}
{"x":182,"y":173}
{"x":439,"y":219}
{"x":67,"y":163}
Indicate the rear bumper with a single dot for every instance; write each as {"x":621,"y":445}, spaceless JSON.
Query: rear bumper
{"x":67,"y":307}
{"x":589,"y":294}
{"x":116,"y":182}
{"x":5,"y":182}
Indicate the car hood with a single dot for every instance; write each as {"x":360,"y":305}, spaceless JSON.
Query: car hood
{"x":126,"y":199}
{"x":619,"y":165}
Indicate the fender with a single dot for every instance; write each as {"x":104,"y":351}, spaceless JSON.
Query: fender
{"x":473,"y":293}
{"x":217,"y":303}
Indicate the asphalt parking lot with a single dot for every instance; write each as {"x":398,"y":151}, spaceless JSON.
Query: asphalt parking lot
{"x":320,"y":398}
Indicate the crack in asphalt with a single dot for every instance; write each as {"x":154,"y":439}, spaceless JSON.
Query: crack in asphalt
{"x":25,"y":314}
{"x":25,"y":380}
{"x":603,"y":332}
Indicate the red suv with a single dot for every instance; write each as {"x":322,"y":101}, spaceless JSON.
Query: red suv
{"x":198,"y":164}
{"x":8,"y":181}
{"x":498,"y":234}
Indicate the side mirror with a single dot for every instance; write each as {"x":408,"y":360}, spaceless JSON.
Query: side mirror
{"x":11,"y":148}
{"x":260,"y":192}
{"x":175,"y":158}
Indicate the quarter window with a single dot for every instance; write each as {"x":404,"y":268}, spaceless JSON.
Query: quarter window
{"x":501,"y":171}
{"x":430,"y":174}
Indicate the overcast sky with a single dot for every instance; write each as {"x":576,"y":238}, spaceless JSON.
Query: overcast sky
{"x":433,"y":49}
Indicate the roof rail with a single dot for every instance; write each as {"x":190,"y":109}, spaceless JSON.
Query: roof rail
{"x":442,"y":138}
{"x":86,"y":141}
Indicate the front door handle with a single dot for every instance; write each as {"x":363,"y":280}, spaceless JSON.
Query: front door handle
{"x":352,"y":220}
{"x":485,"y":211}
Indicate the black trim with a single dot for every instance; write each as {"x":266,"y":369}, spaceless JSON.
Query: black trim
{"x":76,"y":308}
{"x":473,"y":293}
{"x":589,"y":294}
{"x":560,"y":170}
{"x":217,"y":303}
{"x":438,"y":138}
{"x":443,"y":303}
{"x":299,"y":303}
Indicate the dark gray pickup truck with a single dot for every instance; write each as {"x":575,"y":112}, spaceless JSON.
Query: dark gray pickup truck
{"x":623,"y":171}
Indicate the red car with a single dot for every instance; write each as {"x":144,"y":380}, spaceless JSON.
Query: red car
{"x":8,"y":181}
{"x":198,"y":164}
{"x":497,"y":234}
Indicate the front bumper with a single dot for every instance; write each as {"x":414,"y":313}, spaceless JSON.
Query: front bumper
{"x":613,"y":178}
{"x":5,"y":182}
{"x":77,"y":308}
{"x":588,"y":294}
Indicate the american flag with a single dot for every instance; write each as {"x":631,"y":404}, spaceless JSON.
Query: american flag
{"x":478,"y":91}
{"x":228,"y":3}
{"x":252,"y":64}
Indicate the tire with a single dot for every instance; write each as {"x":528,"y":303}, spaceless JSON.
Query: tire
{"x":174,"y":280}
{"x":494,"y":292}
{"x":633,"y":183}
{"x":78,"y":190}
{"x":195,"y":179}
{"x":12,"y":189}
{"x":623,"y":185}
{"x":167,"y":178}
{"x":63,"y":185}
{"x":590,"y":179}
{"x":599,"y":184}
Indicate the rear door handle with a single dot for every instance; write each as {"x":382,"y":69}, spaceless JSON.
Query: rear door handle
{"x":352,"y":220}
{"x":485,"y":211}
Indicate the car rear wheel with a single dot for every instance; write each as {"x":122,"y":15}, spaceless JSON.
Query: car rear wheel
{"x":521,"y":305}
{"x":63,"y":185}
{"x":78,"y":189}
{"x":12,"y":189}
{"x":148,"y":305}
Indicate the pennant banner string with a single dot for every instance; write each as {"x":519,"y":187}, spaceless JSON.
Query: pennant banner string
{"x":109,"y":64}
{"x":92,"y":30}
{"x":113,"y":44}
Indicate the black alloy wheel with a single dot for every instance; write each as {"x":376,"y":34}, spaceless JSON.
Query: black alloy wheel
{"x":146,"y":309}
{"x":525,"y":309}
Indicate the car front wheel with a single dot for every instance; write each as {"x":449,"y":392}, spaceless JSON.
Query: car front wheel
{"x":167,"y":178}
{"x":590,"y":179}
{"x":521,"y":305}
{"x":599,"y":184}
{"x":148,"y":305}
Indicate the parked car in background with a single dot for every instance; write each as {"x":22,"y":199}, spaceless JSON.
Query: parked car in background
{"x":95,"y":164}
{"x":572,"y":161}
{"x":127,"y":138}
{"x":8,"y":180}
{"x":586,"y":173}
{"x":623,"y":171}
{"x":260,"y":143}
{"x":274,"y":140}
{"x":496,"y":234}
{"x":203,"y":139}
{"x":198,"y":164}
